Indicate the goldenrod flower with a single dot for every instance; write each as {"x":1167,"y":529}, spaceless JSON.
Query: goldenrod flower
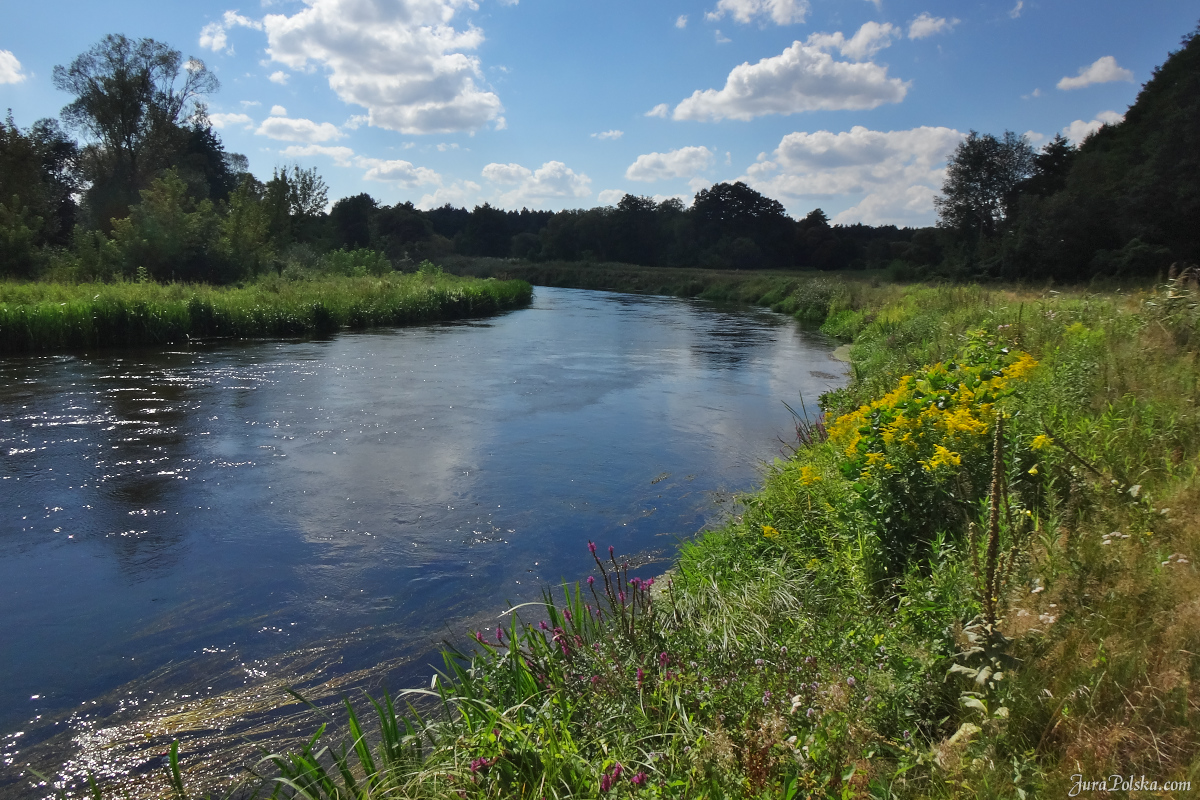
{"x":769,"y":532}
{"x":808,"y":475}
{"x":1040,"y":441}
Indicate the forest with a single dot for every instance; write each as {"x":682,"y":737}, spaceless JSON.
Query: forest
{"x":149,"y":191}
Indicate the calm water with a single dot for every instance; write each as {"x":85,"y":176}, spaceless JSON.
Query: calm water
{"x":199,"y":525}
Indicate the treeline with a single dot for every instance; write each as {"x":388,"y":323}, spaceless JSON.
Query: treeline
{"x":1125,"y":202}
{"x":153,"y":193}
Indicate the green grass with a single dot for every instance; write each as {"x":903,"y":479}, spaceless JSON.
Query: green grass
{"x":1035,"y":617}
{"x":42,"y":316}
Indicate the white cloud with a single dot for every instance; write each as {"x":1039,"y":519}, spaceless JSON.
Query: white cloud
{"x":501,"y":124}
{"x":278,"y":76}
{"x":355,"y":122}
{"x":866,"y":42}
{"x":398,"y":171}
{"x":802,"y":78}
{"x":926,"y":24}
{"x":680,"y":22}
{"x":297,"y":130}
{"x":214,"y":35}
{"x":341,"y":155}
{"x":877,"y":3}
{"x":250,"y":103}
{"x":720,"y":37}
{"x":897,"y":172}
{"x":459,"y":194}
{"x":534,"y":187}
{"x":682,"y":163}
{"x":1079,"y":130}
{"x":400,"y":59}
{"x":1033,"y":137}
{"x":610,"y":197}
{"x":781,"y":12}
{"x":1016,"y":10}
{"x":278,"y":111}
{"x":660,"y":110}
{"x":506,"y":173}
{"x":10,"y":68}
{"x":444,"y":146}
{"x":229,"y":120}
{"x":613,"y":134}
{"x":1103,"y":70}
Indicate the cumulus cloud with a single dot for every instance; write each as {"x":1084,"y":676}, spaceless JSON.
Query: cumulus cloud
{"x":286,"y":129}
{"x":866,"y":42}
{"x":613,"y":134}
{"x":1103,"y":70}
{"x":550,"y":181}
{"x":10,"y":68}
{"x":803,"y":78}
{"x":342,"y":156}
{"x":680,"y":22}
{"x":278,"y":76}
{"x":1079,"y":130}
{"x":398,"y":171}
{"x":278,"y":111}
{"x":229,"y":120}
{"x":660,"y":110}
{"x":897,"y":172}
{"x":214,"y":35}
{"x":926,"y":25}
{"x":610,"y":197}
{"x":781,"y":12}
{"x":459,"y":193}
{"x":682,"y":163}
{"x":402,"y":60}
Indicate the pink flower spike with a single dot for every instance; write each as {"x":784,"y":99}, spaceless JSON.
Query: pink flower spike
{"x":639,"y":779}
{"x":544,"y":626}
{"x":610,"y":551}
{"x":662,"y":660}
{"x":499,"y":633}
{"x":591,"y":580}
{"x":592,"y":547}
{"x":641,"y":676}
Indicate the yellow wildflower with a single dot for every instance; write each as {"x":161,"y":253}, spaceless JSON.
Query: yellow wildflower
{"x":808,"y":475}
{"x":1040,"y":441}
{"x":941,"y":457}
{"x":1024,"y":364}
{"x":769,"y":532}
{"x":1033,"y":470}
{"x":874,"y":458}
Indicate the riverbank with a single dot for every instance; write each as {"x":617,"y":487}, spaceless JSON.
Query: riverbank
{"x":43,"y":316}
{"x":978,"y":579}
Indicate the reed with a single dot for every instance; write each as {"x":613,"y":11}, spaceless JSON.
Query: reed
{"x":56,"y":316}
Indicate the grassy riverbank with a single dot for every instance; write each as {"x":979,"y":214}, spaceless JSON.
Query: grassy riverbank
{"x":774,"y":288}
{"x":41,"y":316}
{"x":978,"y":580}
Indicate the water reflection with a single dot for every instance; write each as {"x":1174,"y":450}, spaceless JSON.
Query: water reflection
{"x":360,"y":498}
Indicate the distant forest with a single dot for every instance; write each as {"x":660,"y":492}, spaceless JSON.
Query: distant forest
{"x":148,"y":191}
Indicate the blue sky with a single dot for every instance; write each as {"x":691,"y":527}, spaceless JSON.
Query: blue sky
{"x":849,"y":105}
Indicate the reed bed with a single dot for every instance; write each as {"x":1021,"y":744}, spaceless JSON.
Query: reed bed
{"x":37,"y":317}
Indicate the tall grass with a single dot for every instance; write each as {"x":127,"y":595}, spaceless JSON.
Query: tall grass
{"x":54,"y":316}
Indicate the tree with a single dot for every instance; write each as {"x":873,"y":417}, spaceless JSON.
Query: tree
{"x":129,"y":101}
{"x":351,"y":220}
{"x":729,"y":212}
{"x":38,"y":168}
{"x":981,"y":179}
{"x":295,"y":201}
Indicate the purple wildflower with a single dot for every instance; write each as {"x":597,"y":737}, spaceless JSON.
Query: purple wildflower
{"x":591,"y":547}
{"x":610,"y":551}
{"x":639,"y":779}
{"x":766,"y":698}
{"x":499,"y":634}
{"x":851,"y":682}
{"x":544,"y":626}
{"x":479,"y":636}
{"x":640,"y":676}
{"x":663,"y":658}
{"x":622,"y":596}
{"x":810,"y":713}
{"x":617,"y":770}
{"x":591,"y":579}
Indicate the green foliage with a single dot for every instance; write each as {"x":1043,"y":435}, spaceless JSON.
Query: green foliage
{"x":40,"y":316}
{"x":168,"y":233}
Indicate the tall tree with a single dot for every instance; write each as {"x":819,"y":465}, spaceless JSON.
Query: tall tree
{"x":130,"y":101}
{"x":980,"y":182}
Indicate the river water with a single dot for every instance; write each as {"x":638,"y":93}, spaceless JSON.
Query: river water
{"x":182,"y":532}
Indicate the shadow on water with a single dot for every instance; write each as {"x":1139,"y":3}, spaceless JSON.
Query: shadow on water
{"x":184,"y":533}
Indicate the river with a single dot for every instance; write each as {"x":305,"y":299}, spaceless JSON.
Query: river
{"x":183,"y":531}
